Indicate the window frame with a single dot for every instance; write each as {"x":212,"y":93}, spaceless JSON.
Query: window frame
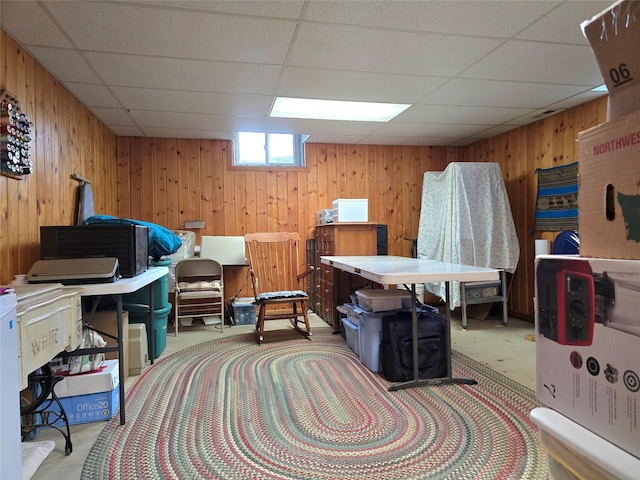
{"x":298,"y":154}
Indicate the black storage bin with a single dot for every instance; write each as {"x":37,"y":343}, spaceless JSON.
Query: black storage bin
{"x":396,"y":346}
{"x":128,"y":243}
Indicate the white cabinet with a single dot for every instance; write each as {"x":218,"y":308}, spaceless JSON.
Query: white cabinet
{"x":49,"y":321}
{"x":10,"y":453}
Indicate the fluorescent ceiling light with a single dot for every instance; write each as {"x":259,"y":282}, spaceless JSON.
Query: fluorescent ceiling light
{"x":601,"y":88}
{"x":335,"y":110}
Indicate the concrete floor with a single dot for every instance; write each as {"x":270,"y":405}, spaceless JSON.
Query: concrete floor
{"x":504,"y":349}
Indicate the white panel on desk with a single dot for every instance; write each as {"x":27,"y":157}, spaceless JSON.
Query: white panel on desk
{"x":227,"y":250}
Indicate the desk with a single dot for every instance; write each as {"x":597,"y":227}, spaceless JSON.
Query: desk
{"x":117,"y":289}
{"x":390,"y":270}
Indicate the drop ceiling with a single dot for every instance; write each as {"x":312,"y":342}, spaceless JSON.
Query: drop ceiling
{"x":205,"y":69}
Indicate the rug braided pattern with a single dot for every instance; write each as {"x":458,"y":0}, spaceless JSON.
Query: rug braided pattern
{"x":308,"y":409}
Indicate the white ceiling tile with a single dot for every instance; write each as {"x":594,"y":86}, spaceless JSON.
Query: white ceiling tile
{"x":193,"y":102}
{"x":178,"y":74}
{"x":583,"y":97}
{"x":29,"y":24}
{"x":465,"y":142}
{"x":429,"y":130}
{"x":562,"y":25}
{"x":304,"y":126}
{"x":113,"y":116}
{"x":65,"y":65}
{"x":369,"y":50}
{"x":355,"y":86}
{"x":122,"y":131}
{"x":491,"y":93}
{"x":453,"y":114}
{"x":340,"y":139}
{"x":125,"y":28}
{"x":93,"y":95}
{"x":533,"y":116}
{"x":469,"y":17}
{"x":396,"y":140}
{"x":196,"y":121}
{"x":497,"y":130}
{"x":263,"y":8}
{"x":513,"y":61}
{"x":205,"y":68}
{"x":163,"y":132}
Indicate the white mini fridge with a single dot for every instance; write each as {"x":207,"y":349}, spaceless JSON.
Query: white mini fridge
{"x":10,"y":439}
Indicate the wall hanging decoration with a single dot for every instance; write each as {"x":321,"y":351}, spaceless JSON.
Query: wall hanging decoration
{"x":557,"y":202}
{"x":15,"y":138}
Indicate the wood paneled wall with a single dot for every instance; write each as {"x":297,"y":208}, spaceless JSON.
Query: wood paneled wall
{"x":546,"y":143}
{"x":66,"y":138}
{"x":168,"y":181}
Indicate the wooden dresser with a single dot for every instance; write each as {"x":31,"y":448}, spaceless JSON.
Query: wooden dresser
{"x":333,"y":286}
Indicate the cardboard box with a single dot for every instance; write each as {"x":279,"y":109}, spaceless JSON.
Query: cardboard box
{"x":350,"y":210}
{"x":138,"y":348}
{"x":614,"y":35}
{"x":609,"y":189}
{"x":107,"y":321}
{"x":89,"y":397}
{"x":623,"y":103}
{"x":587,"y":343}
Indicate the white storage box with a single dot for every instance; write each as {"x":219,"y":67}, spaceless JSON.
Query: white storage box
{"x":351,"y":210}
{"x":351,"y":311}
{"x":382,"y":300}
{"x":370,"y":331}
{"x":351,"y":336}
{"x":573,"y":449}
{"x":90,"y":397}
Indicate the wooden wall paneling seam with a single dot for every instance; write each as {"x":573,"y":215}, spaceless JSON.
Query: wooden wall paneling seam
{"x":123,"y":176}
{"x":159,"y":175}
{"x":206,"y":184}
{"x":149,"y":192}
{"x":321,"y":162}
{"x":312,"y":188}
{"x":262,"y":202}
{"x":281,"y":219}
{"x":29,"y":107}
{"x":173,"y":189}
{"x":332,"y":174}
{"x":23,"y":236}
{"x":137,"y":185}
{"x":183,"y":180}
{"x":249,"y":220}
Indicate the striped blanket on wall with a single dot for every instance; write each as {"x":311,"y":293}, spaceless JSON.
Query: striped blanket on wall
{"x":557,"y":202}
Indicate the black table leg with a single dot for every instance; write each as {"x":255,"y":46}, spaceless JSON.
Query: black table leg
{"x":449,"y":379}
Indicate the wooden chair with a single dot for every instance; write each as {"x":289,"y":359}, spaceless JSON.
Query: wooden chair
{"x":199,"y":291}
{"x":278,"y":288}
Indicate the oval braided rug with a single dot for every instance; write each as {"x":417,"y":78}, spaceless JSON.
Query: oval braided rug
{"x":308,"y":409}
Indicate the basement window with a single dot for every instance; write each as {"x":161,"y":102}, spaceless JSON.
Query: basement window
{"x":259,"y":149}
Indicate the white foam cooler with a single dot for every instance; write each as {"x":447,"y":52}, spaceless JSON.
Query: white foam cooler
{"x":138,"y":349}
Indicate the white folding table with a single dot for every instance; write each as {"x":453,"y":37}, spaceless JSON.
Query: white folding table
{"x":392,"y":270}
{"x":117,"y":289}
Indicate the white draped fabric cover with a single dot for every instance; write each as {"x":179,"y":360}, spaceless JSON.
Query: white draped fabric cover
{"x":466,"y":218}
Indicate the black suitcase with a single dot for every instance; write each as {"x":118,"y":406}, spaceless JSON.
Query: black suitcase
{"x":396,"y":346}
